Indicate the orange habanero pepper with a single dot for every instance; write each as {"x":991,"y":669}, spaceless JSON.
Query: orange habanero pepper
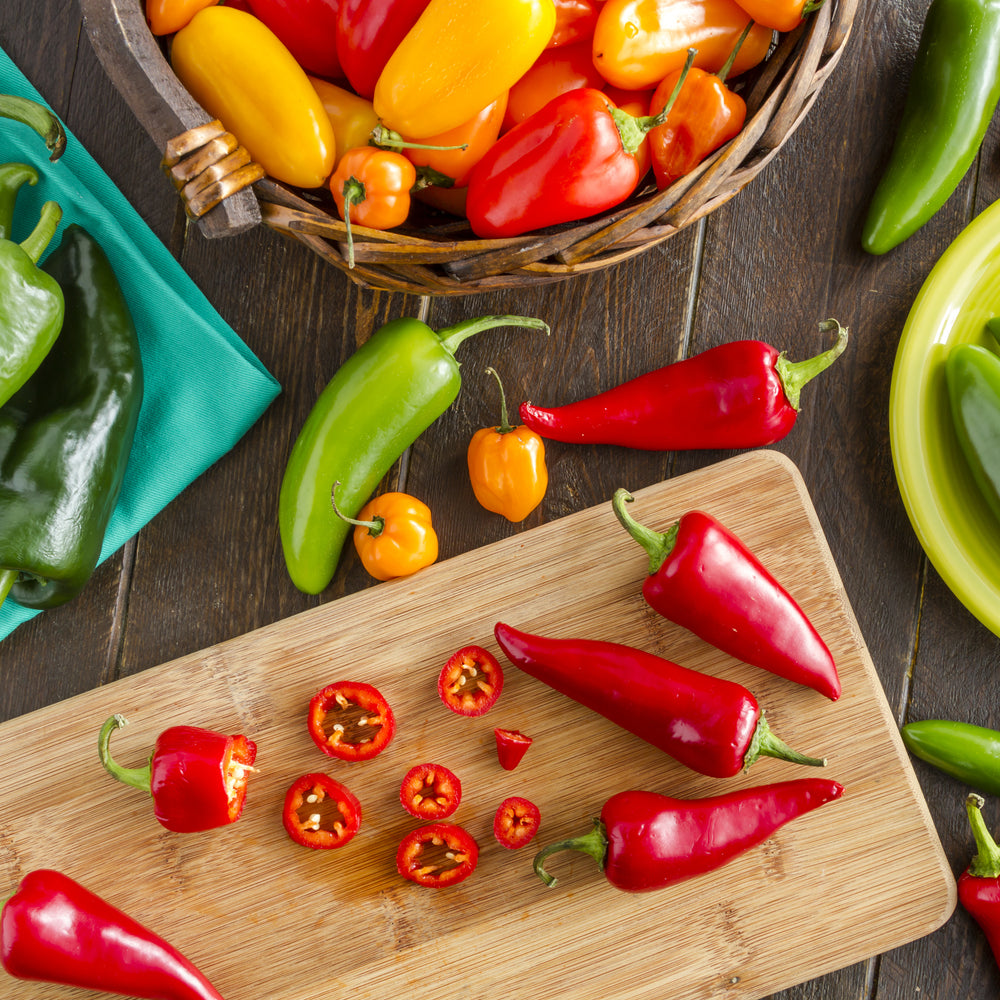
{"x":507,"y":466}
{"x":638,"y":42}
{"x":164,"y":17}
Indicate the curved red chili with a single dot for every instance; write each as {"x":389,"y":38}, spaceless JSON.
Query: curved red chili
{"x":351,"y":720}
{"x":430,"y":791}
{"x":320,"y":812}
{"x":516,"y":822}
{"x":437,"y":855}
{"x":197,"y":777}
{"x":979,"y":884}
{"x":743,"y":394}
{"x":646,"y":841}
{"x":512,"y":745}
{"x":54,"y":930}
{"x":703,"y":578}
{"x":471,"y":681}
{"x":712,"y":725}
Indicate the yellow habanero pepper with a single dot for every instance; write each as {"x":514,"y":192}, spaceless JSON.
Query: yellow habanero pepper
{"x":235,"y":67}
{"x":460,"y":56}
{"x":507,"y":466}
{"x":353,"y":118}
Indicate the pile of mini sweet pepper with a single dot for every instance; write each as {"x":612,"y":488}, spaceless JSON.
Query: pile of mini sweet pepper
{"x":562,"y":121}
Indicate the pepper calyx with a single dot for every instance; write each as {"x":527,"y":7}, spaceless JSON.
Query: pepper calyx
{"x":793,"y":375}
{"x":632,"y":129}
{"x":986,"y":862}
{"x":658,"y":544}
{"x":764,"y":743}
{"x":594,"y":843}
{"x":137,"y":777}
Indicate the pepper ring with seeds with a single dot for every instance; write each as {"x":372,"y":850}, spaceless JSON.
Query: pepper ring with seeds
{"x":471,"y":681}
{"x":320,"y":812}
{"x":351,"y":720}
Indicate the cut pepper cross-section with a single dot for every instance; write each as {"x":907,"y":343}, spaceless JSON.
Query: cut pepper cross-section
{"x":351,"y":720}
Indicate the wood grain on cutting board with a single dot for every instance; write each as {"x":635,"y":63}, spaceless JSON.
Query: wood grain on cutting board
{"x":263,"y":917}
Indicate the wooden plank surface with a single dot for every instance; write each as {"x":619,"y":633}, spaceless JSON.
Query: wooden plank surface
{"x":344,"y":923}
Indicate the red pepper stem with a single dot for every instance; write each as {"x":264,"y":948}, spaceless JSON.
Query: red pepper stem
{"x":986,"y":863}
{"x":453,"y":336}
{"x":137,"y":777}
{"x":40,"y":237}
{"x":658,"y":544}
{"x":765,"y":744}
{"x":354,"y":193}
{"x":7,"y":578}
{"x":594,"y":843}
{"x":386,"y":138}
{"x":38,"y":117}
{"x":375,"y":526}
{"x":728,"y":64}
{"x":795,"y":374}
{"x":632,"y":130}
{"x":505,"y":427}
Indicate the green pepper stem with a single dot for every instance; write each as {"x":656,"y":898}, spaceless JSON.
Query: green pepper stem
{"x":632,"y":129}
{"x":986,"y":863}
{"x":12,"y":176}
{"x":452,"y":337}
{"x":765,"y":744}
{"x":429,"y":177}
{"x":354,"y":193}
{"x":137,"y":777}
{"x":795,"y":374}
{"x":375,"y":526}
{"x":505,"y":427}
{"x":38,"y":117}
{"x":7,"y":579}
{"x":657,"y":544}
{"x":40,"y":237}
{"x":728,"y":64}
{"x":594,"y":843}
{"x":386,"y":138}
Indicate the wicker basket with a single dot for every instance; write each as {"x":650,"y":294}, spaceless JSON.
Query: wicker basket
{"x":428,"y":255}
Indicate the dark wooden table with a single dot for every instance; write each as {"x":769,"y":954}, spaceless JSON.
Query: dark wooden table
{"x":781,"y":256}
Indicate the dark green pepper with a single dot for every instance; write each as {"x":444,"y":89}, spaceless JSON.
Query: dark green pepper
{"x":966,"y":752}
{"x":972,"y":374}
{"x":66,"y":435}
{"x":951,"y":98}
{"x":376,"y":405}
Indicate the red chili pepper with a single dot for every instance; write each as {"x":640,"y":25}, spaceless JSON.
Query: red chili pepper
{"x":430,"y":791}
{"x":54,"y":930}
{"x":712,"y":725}
{"x":471,"y":681}
{"x":437,"y":855}
{"x":320,"y":812}
{"x":350,"y":720}
{"x":307,"y":28}
{"x":368,"y":33}
{"x":646,"y":841}
{"x":511,"y":747}
{"x":703,"y":578}
{"x":979,"y":884}
{"x":738,"y":395}
{"x":197,"y":777}
{"x":575,"y":157}
{"x":516,"y":822}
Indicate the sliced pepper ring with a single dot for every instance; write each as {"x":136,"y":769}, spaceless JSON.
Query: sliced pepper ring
{"x":471,"y":681}
{"x":320,"y":812}
{"x":350,"y":720}
{"x":437,"y":855}
{"x":516,"y":822}
{"x":430,"y":791}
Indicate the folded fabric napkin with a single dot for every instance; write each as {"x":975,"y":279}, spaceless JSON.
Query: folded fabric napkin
{"x":188,"y":351}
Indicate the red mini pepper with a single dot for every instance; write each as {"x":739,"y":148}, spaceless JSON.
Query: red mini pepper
{"x":350,"y":720}
{"x":512,"y":745}
{"x":979,"y":884}
{"x":710,"y":724}
{"x":742,"y":394}
{"x":645,"y":841}
{"x":197,"y":777}
{"x":320,"y":812}
{"x":471,"y":681}
{"x":307,"y":28}
{"x":703,"y":578}
{"x":437,"y":855}
{"x":54,"y":930}
{"x":516,"y":822}
{"x":430,"y":791}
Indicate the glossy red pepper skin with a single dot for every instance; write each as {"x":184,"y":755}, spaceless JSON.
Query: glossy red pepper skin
{"x":645,"y":841}
{"x":979,"y":884}
{"x":703,"y":578}
{"x":743,"y":394}
{"x":307,"y":795}
{"x":54,"y":930}
{"x":307,"y":28}
{"x":709,"y":724}
{"x":512,"y":745}
{"x":421,"y":855}
{"x":334,"y":721}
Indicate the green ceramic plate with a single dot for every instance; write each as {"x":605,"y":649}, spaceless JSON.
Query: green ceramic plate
{"x":956,"y":528}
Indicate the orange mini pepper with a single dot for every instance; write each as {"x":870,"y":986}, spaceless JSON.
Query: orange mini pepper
{"x":393,"y":535}
{"x":352,"y":118}
{"x":507,"y":466}
{"x":782,"y":15}
{"x":164,"y":17}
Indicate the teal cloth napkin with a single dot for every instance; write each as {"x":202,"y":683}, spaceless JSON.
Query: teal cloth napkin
{"x":204,"y":388}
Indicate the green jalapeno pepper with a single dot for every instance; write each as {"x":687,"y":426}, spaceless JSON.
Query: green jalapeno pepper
{"x":972,"y":374}
{"x":376,"y":405}
{"x":966,"y":752}
{"x":952,"y":94}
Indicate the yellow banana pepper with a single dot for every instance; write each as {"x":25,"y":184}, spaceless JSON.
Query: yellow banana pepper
{"x":460,"y":56}
{"x":353,"y":118}
{"x":235,"y":67}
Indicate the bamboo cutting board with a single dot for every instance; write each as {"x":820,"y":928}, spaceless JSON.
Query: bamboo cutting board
{"x":263,"y":917}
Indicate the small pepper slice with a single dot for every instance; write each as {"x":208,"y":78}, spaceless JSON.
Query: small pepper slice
{"x":512,"y":745}
{"x":430,"y":791}
{"x":351,"y":720}
{"x":437,"y":855}
{"x":471,"y":681}
{"x":315,"y":799}
{"x":516,"y":822}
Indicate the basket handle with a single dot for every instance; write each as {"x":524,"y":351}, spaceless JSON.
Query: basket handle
{"x":137,"y":67}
